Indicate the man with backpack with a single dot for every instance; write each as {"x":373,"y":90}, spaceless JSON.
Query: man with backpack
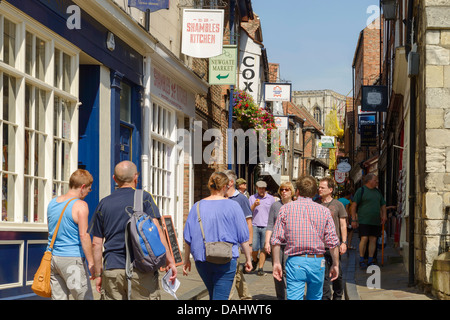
{"x":368,"y":210}
{"x":110,"y":223}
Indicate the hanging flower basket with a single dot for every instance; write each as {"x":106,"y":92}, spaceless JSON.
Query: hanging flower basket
{"x":251,"y":116}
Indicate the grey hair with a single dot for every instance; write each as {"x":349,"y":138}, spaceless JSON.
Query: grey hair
{"x":368,"y":177}
{"x":231,"y":176}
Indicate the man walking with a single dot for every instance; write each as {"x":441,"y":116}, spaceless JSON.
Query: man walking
{"x":236,"y":195}
{"x":339,"y":215}
{"x":260,"y":204}
{"x":369,"y":212}
{"x":307,"y":229}
{"x":109,"y":223}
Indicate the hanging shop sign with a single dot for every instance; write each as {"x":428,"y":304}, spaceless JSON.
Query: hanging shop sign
{"x":277,"y":91}
{"x":339,"y":176}
{"x":202,"y":33}
{"x":282,"y":122}
{"x":368,"y":135}
{"x":344,"y":167}
{"x":366,"y":119}
{"x":374,"y":98}
{"x":249,"y":73}
{"x":223,"y":68}
{"x":152,"y":5}
{"x":328,"y":142}
{"x":321,"y":153}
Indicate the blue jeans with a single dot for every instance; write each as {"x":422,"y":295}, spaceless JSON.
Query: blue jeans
{"x":259,"y":237}
{"x":218,"y":278}
{"x":304,"y":270}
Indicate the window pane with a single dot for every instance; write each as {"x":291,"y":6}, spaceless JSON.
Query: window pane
{"x":9,"y":43}
{"x":56,"y":115}
{"x":8,"y":197}
{"x":39,"y":156}
{"x":28,"y":52}
{"x":57,"y":72}
{"x":28,"y":144}
{"x":66,"y":112}
{"x":26,"y":204}
{"x":125,"y":103}
{"x":28,"y":105}
{"x":8,"y":147}
{"x":65,"y":161}
{"x":9,"y":98}
{"x":41,"y":106}
{"x":67,"y":72}
{"x":40,"y":59}
{"x":39,"y":193}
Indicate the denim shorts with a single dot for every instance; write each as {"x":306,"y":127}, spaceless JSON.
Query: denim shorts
{"x":259,"y":237}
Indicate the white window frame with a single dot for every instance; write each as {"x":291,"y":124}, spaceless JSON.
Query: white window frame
{"x":25,"y":24}
{"x":163,"y":175}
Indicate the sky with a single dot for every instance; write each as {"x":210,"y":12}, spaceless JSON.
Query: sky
{"x":314,"y":41}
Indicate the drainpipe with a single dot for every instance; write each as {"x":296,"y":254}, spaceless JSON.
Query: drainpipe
{"x":146,"y":109}
{"x":412,"y":153}
{"x":230,"y":107}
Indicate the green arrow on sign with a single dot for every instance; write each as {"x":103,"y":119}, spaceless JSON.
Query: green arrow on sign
{"x":220,"y":77}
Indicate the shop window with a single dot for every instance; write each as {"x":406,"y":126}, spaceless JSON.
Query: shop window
{"x":161,"y":153}
{"x":37,"y":123}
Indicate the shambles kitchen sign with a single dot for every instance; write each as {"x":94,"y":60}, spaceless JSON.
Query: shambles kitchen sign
{"x":222,"y":68}
{"x":202,"y":33}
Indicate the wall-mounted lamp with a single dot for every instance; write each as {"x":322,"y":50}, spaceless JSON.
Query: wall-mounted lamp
{"x":389,"y":9}
{"x":110,"y":43}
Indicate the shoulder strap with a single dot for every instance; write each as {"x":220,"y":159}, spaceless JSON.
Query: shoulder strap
{"x":59,"y":222}
{"x":200,"y":221}
{"x":138,"y":200}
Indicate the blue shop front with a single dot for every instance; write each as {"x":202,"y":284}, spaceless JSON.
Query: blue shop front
{"x":71,"y":94}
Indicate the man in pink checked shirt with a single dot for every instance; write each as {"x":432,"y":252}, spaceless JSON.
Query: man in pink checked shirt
{"x":306,"y":228}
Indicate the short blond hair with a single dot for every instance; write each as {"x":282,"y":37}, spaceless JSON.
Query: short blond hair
{"x":287,"y":184}
{"x":80,"y":177}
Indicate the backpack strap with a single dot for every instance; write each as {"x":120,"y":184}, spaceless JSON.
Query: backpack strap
{"x":138,"y":200}
{"x":138,"y":206}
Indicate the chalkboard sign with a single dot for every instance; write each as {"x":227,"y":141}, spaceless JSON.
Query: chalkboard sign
{"x":171,"y":237}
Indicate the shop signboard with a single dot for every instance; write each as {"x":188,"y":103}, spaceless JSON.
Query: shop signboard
{"x":202,"y":33}
{"x":223,"y":68}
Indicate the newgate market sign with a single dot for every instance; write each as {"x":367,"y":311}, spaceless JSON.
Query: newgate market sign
{"x":222,"y":68}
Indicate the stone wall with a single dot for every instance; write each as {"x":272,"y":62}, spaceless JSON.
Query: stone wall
{"x":432,"y":222}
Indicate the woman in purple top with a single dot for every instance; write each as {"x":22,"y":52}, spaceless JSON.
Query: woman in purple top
{"x":223,"y":220}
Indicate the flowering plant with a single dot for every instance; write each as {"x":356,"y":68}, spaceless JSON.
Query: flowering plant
{"x":251,"y":116}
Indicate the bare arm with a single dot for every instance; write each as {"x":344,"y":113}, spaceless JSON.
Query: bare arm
{"x":170,"y":262}
{"x":80,"y":214}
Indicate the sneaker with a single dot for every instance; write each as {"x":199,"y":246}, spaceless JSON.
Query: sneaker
{"x":362,"y":264}
{"x":260,"y":272}
{"x":254,"y":264}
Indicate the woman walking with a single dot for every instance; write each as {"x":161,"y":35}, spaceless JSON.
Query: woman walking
{"x":222,"y":220}
{"x":286,"y":191}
